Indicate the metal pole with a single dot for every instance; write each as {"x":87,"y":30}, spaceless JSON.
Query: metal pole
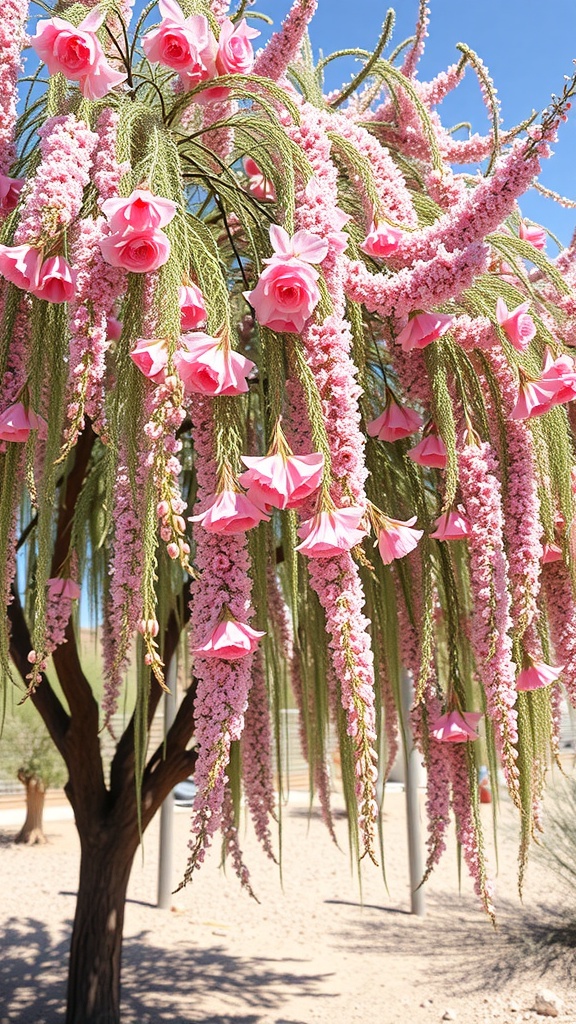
{"x":166,"y":845}
{"x":411,"y":772}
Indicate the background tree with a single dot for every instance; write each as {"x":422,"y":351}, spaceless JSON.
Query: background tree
{"x":29,"y":754}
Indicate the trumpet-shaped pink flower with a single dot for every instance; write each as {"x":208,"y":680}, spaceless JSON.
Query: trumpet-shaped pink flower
{"x":382,"y":240}
{"x":230,"y":512}
{"x":235,"y":54}
{"x":76,"y":52}
{"x":331,"y":533}
{"x":58,"y":587}
{"x":56,"y":281}
{"x":20,"y":264}
{"x":452,"y":526}
{"x":534,"y":234}
{"x":184,"y":44}
{"x":282,"y":481}
{"x":395,"y":422}
{"x":430,"y":451}
{"x":551,"y":553}
{"x":562,"y":372}
{"x":10,"y":189}
{"x":517,"y":324}
{"x":230,"y":640}
{"x":535,"y":397}
{"x":285,"y":295}
{"x":423,"y":329}
{"x":260,"y":186}
{"x":17,"y":421}
{"x":138,"y":251}
{"x":141,"y":211}
{"x":456,"y":727}
{"x":151,"y":356}
{"x":207,"y":366}
{"x":397,"y":538}
{"x":304,"y":246}
{"x":192,"y":307}
{"x":537,"y":675}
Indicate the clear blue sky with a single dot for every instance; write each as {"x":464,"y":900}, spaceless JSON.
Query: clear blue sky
{"x":527,"y":45}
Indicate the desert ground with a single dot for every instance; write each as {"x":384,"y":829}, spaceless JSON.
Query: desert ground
{"x":316,"y":949}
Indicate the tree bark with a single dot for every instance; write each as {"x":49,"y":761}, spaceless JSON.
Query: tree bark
{"x":32,"y":831}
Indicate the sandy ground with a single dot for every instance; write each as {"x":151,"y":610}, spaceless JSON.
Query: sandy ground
{"x":315,"y":949}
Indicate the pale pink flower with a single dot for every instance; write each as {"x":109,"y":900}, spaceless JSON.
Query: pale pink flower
{"x":207,"y":366}
{"x":285,"y":295}
{"x":430,"y":451}
{"x":235,"y":54}
{"x":192,"y":307}
{"x":423,"y":329}
{"x":141,"y":211}
{"x":396,"y":538}
{"x":282,"y":481}
{"x":305,"y":246}
{"x":331,"y":533}
{"x":230,"y":640}
{"x":56,"y":281}
{"x":230,"y":512}
{"x":517,"y":324}
{"x":76,"y":52}
{"x":397,"y":421}
{"x":534,"y":234}
{"x":17,"y":421}
{"x":260,"y":186}
{"x":452,"y":526}
{"x":382,"y":240}
{"x":10,"y":189}
{"x":58,"y":587}
{"x":137,"y":251}
{"x":151,"y":356}
{"x":456,"y":727}
{"x":184,"y":44}
{"x":537,"y":675}
{"x":20,"y":264}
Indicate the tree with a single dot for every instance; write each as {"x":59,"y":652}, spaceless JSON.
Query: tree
{"x":225,"y":294}
{"x":28,"y":753}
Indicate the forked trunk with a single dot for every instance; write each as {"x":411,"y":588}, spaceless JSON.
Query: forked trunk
{"x":32,"y":830}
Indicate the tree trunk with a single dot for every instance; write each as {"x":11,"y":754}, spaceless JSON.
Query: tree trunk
{"x":96,"y":947}
{"x":32,"y":830}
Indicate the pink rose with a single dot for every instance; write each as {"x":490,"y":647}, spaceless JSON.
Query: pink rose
{"x":16,"y":422}
{"x":10,"y":189}
{"x":382,"y":240}
{"x":56,"y":281}
{"x":286,"y":295}
{"x":230,"y":640}
{"x":235,"y":55}
{"x":141,"y":211}
{"x":259,"y":186}
{"x":137,"y":251}
{"x":20,"y":264}
{"x":77,"y":54}
{"x":151,"y":357}
{"x":192,"y":307}
{"x":423,"y":329}
{"x":184,"y":44}
{"x":207,"y":367}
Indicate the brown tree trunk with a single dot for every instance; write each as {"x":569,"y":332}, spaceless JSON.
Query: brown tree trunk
{"x":32,"y":831}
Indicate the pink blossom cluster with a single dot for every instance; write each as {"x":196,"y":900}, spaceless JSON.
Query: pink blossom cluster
{"x":437,"y":760}
{"x":284,"y":46}
{"x":106,"y":172}
{"x":468,"y":826}
{"x":561,"y":610}
{"x":256,"y":746}
{"x":12,"y":41}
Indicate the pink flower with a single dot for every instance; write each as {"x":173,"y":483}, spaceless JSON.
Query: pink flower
{"x":456,"y":727}
{"x":260,"y":186}
{"x":534,"y":234}
{"x":396,"y":538}
{"x":59,"y":587}
{"x":141,"y":211}
{"x":10,"y":189}
{"x":151,"y":356}
{"x":20,"y":264}
{"x":382,"y":240}
{"x":16,"y":422}
{"x":562,"y":372}
{"x":304,"y":246}
{"x":184,"y":44}
{"x":430,"y":451}
{"x":113,"y":328}
{"x":518,"y":325}
{"x":207,"y":366}
{"x":230,"y":640}
{"x":551,"y":553}
{"x":56,"y":281}
{"x":285,"y":296}
{"x":423,"y":329}
{"x":537,"y":675}
{"x":192,"y":307}
{"x":395,"y":422}
{"x":282,"y":481}
{"x":230,"y":512}
{"x":137,"y":251}
{"x":535,"y":396}
{"x":77,"y":54}
{"x":235,"y":55}
{"x":452,"y":526}
{"x":331,"y":533}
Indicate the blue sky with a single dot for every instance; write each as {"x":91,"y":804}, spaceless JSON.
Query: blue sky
{"x":527,"y":54}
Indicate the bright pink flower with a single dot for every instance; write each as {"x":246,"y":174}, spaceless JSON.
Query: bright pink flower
{"x":395,"y":422}
{"x":230,"y":512}
{"x":151,"y":356}
{"x":10,"y":189}
{"x":77,"y":54}
{"x":397,"y":538}
{"x":141,"y":211}
{"x":113,"y":328}
{"x":452,"y":526}
{"x":282,"y":481}
{"x":551,"y":553}
{"x":430,"y":451}
{"x":230,"y":640}
{"x":184,"y":44}
{"x":304,"y":246}
{"x":517,"y":324}
{"x":562,"y":372}
{"x":285,"y":295}
{"x":382,"y":240}
{"x":20,"y":264}
{"x":16,"y":422}
{"x":59,"y":587}
{"x":456,"y":727}
{"x":208,"y":367}
{"x":56,"y":281}
{"x":331,"y":533}
{"x":423,"y":329}
{"x":235,"y":54}
{"x":535,"y":397}
{"x":137,"y":251}
{"x":192,"y":307}
{"x":534,"y":234}
{"x":537,"y":675}
{"x":260,"y":186}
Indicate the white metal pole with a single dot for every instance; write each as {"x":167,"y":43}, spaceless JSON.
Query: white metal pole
{"x":411,"y":772}
{"x":166,"y":843}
